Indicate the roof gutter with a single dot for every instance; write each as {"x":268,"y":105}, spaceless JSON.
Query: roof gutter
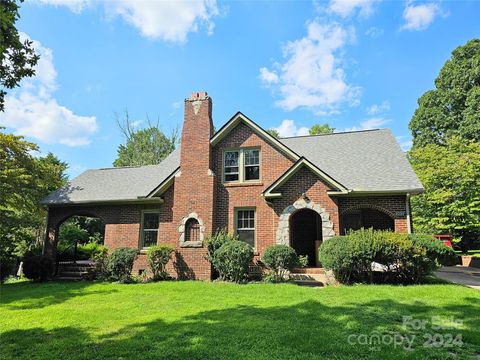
{"x":139,"y":200}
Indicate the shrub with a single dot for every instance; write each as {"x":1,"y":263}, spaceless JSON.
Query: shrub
{"x":215,"y":242}
{"x":38,"y":268}
{"x":232,"y":260}
{"x":100,"y":259}
{"x":350,"y":257}
{"x":281,"y":260}
{"x":120,"y":264}
{"x":435,"y":249}
{"x":158,"y":257}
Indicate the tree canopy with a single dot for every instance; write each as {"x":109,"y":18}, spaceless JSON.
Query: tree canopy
{"x":274,"y":133}
{"x":318,"y":129}
{"x":24,"y":181}
{"x":453,"y":107}
{"x":450,"y":174}
{"x":148,"y":146}
{"x":17,"y":57}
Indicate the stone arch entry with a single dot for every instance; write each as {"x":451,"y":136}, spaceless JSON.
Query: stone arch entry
{"x":306,"y":234}
{"x":283,"y":230}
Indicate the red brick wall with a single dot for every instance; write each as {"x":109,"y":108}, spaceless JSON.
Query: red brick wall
{"x":230,"y":196}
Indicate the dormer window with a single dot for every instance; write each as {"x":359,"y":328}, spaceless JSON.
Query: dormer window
{"x":242,"y":165}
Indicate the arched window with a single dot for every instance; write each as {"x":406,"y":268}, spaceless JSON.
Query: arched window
{"x":192,"y":230}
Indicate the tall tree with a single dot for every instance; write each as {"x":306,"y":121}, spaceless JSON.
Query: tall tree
{"x":453,"y":107}
{"x":24,"y":181}
{"x":450,"y":174}
{"x":274,"y":133}
{"x":17,"y":57}
{"x":318,"y":129}
{"x":148,"y":146}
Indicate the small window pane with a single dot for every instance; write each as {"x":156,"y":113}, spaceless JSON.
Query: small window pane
{"x":251,"y":157}
{"x":231,"y":177}
{"x":247,"y":236}
{"x":252,"y":172}
{"x":150,"y":220}
{"x":231,"y":158}
{"x":149,"y":238}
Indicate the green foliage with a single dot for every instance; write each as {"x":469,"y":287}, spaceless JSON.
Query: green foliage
{"x":216,"y":240}
{"x":274,"y":133}
{"x":452,"y":109}
{"x":38,"y":268}
{"x":351,"y":257}
{"x":232,"y":260}
{"x":451,"y":177}
{"x":318,"y":129}
{"x":120,"y":264}
{"x":17,"y":57}
{"x":100,"y":259}
{"x":147,"y":146}
{"x":158,"y":256}
{"x":280,"y":259}
{"x":71,"y":233}
{"x":24,"y":181}
{"x":436,"y":249}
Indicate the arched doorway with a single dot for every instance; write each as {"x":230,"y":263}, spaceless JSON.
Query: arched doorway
{"x":358,"y":218}
{"x":306,"y":234}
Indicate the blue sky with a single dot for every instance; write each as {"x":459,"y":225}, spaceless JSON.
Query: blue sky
{"x":355,"y":64}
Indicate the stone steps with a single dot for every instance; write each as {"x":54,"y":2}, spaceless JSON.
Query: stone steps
{"x":74,"y":271}
{"x":309,"y":277}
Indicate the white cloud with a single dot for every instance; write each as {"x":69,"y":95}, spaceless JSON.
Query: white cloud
{"x":374,"y":32}
{"x":170,"y":21}
{"x":312,"y":75}
{"x":369,"y":124}
{"x":345,"y":8}
{"x":376,"y":109}
{"x":419,"y":17}
{"x":33,"y":111}
{"x":289,"y":128}
{"x":267,"y":76}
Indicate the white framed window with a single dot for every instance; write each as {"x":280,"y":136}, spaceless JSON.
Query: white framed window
{"x":245,"y":224}
{"x":149,"y":230}
{"x":241,"y":165}
{"x":231,"y":165}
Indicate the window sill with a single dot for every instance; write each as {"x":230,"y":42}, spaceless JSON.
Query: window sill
{"x":237,"y":184}
{"x":191,"y":244}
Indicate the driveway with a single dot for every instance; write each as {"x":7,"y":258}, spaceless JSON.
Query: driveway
{"x":468,"y":276}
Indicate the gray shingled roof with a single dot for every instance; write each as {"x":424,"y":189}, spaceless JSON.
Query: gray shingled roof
{"x":127,"y":183}
{"x":369,"y":160}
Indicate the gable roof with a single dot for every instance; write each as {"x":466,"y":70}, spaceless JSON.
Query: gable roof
{"x":369,"y":161}
{"x":115,"y":184}
{"x":272,"y":190}
{"x":241,"y":118}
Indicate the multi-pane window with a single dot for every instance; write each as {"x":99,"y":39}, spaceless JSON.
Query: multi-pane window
{"x":241,"y":165}
{"x":231,"y":165}
{"x":150,"y":224}
{"x":251,"y":164}
{"x":245,"y":226}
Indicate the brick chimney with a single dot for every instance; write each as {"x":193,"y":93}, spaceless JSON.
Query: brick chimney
{"x":196,"y":133}
{"x":194,"y":186}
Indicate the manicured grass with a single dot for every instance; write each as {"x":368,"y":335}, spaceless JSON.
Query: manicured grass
{"x":196,"y":320}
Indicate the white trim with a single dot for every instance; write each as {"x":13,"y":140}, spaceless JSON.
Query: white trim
{"x":164,"y":185}
{"x":407,"y":207}
{"x":239,"y":117}
{"x":235,"y":222}
{"x":293,"y":170}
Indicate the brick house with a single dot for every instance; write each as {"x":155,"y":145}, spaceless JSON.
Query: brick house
{"x":297,"y":191}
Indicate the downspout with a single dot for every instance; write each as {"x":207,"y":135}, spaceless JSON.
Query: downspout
{"x":409,"y":218}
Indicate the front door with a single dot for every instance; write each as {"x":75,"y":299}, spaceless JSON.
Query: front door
{"x":306,"y":234}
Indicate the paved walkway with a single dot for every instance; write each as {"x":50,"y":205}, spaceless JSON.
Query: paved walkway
{"x":468,"y":276}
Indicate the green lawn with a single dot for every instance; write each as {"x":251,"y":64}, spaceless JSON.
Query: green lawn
{"x":197,"y":320}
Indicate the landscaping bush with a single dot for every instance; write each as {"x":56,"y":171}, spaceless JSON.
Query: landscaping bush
{"x":38,"y":268}
{"x":436,"y":249}
{"x":158,"y":257}
{"x":350,"y":258}
{"x":281,"y":259}
{"x":100,"y":259}
{"x":215,"y":242}
{"x":232,"y":260}
{"x":120,"y":264}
